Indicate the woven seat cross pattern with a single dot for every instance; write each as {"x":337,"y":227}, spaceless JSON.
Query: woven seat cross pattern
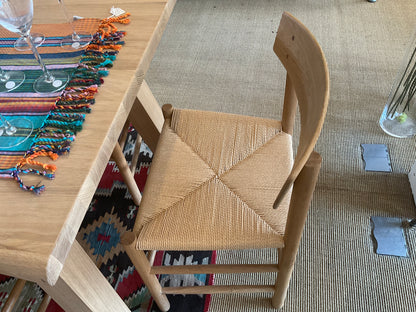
{"x":202,"y":175}
{"x":216,"y":177}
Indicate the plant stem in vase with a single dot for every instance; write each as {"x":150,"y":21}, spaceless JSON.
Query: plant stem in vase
{"x":399,"y":115}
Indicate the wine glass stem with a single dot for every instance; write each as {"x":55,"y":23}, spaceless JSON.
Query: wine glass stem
{"x":48,"y":76}
{"x":75,"y":36}
{"x":3,"y":76}
{"x":6,"y":124}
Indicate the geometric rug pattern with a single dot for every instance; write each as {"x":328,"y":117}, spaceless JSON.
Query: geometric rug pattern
{"x":111,"y":213}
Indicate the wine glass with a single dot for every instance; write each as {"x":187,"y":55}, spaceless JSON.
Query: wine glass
{"x":21,"y":45}
{"x":76,"y":40}
{"x":17,"y":16}
{"x":10,"y":80}
{"x":14,"y":132}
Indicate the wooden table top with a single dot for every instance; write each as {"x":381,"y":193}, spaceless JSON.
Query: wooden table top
{"x":36,"y":232}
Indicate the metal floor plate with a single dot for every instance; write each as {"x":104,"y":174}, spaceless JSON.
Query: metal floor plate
{"x":389,"y":236}
{"x":376,"y":157}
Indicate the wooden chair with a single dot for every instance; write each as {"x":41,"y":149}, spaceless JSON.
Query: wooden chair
{"x":215,"y":177}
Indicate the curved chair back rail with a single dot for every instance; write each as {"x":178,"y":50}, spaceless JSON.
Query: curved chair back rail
{"x":307,"y":75}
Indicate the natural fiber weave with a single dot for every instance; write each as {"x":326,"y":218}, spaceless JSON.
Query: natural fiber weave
{"x":219,"y":174}
{"x":221,"y":50}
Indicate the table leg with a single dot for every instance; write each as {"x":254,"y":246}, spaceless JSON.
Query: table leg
{"x":146,"y":116}
{"x":81,"y":287}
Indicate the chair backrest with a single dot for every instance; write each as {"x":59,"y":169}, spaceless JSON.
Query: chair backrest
{"x":307,"y":73}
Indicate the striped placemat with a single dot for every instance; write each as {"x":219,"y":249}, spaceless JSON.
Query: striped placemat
{"x":56,"y":117}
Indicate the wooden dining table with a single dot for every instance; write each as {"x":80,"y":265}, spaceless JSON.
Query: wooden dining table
{"x":37,"y":232}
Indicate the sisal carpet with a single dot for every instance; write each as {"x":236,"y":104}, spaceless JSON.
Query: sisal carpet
{"x":217,"y":55}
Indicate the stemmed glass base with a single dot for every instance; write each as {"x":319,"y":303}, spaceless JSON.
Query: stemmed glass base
{"x":17,"y":126}
{"x":76,"y":41}
{"x":51,"y":81}
{"x":10,"y":80}
{"x":21,"y":44}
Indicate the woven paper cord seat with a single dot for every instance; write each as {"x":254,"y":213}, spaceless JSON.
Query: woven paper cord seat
{"x":215,"y":179}
{"x":201,"y":194}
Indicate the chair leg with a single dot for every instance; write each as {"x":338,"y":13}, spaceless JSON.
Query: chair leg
{"x":283,"y":278}
{"x":14,"y":295}
{"x":127,"y":175}
{"x":136,"y":154}
{"x":303,"y":189}
{"x":45,"y":302}
{"x":124,"y":133}
{"x":142,"y":265}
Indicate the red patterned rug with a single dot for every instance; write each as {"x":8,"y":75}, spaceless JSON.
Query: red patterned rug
{"x":110,"y":214}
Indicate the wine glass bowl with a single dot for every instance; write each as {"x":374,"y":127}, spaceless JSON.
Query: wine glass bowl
{"x":76,"y":40}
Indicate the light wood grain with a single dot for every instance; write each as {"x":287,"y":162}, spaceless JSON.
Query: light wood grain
{"x":151,"y":255}
{"x":218,"y":289}
{"x":306,"y":66}
{"x":45,"y":302}
{"x":289,"y":107}
{"x":37,"y":232}
{"x":142,"y":266}
{"x":124,"y":133}
{"x":147,"y":119}
{"x":299,"y":205}
{"x":146,"y":116}
{"x":82,"y":287}
{"x":136,"y":154}
{"x":214,"y":268}
{"x":128,"y":176}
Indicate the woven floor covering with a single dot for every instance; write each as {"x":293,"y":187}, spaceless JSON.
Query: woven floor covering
{"x":110,"y":214}
{"x":217,"y":55}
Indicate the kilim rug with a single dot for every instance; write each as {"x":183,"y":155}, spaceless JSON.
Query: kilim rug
{"x":110,"y":214}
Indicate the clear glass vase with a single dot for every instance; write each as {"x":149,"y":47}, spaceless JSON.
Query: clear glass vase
{"x":399,"y":115}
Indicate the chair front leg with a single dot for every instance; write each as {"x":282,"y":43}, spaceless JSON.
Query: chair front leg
{"x":142,"y":265}
{"x":303,"y":189}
